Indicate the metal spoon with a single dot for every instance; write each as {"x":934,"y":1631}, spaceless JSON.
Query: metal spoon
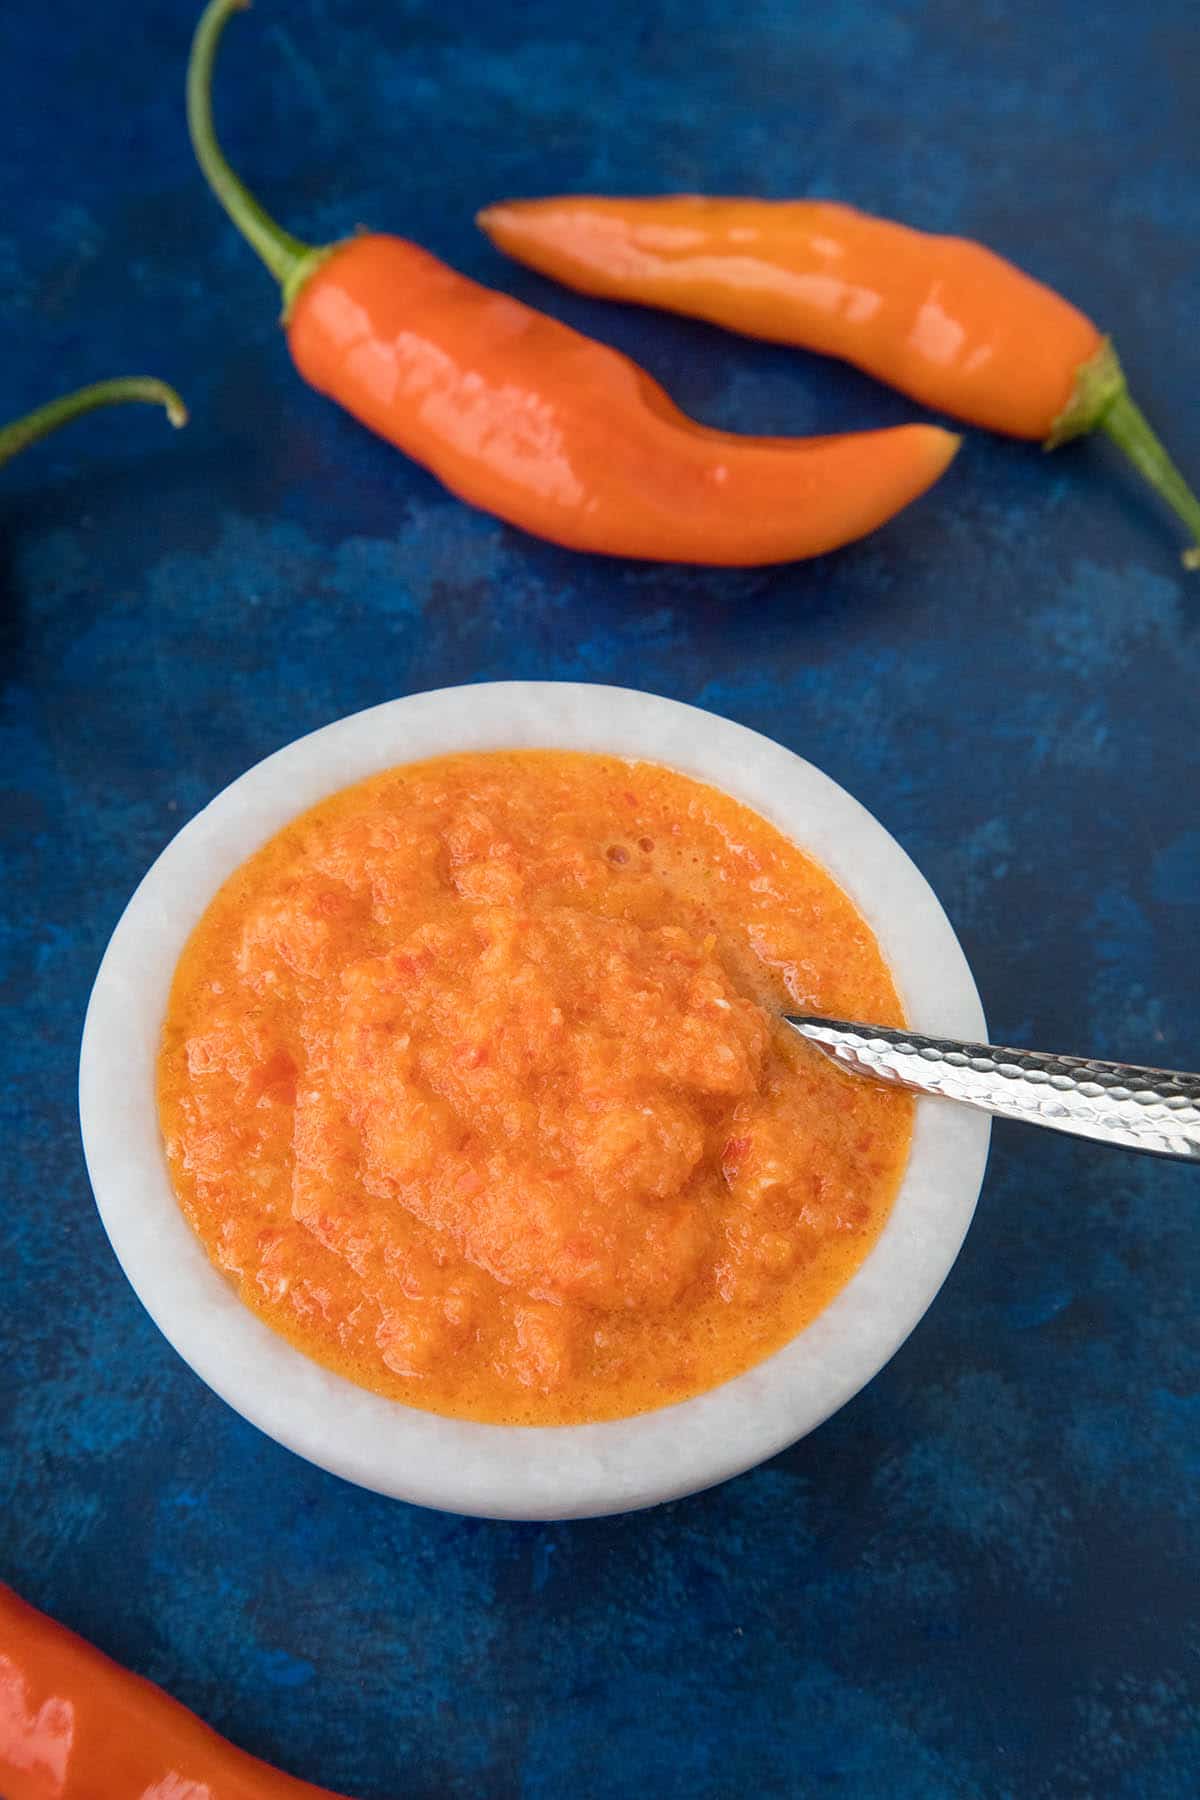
{"x":1155,"y":1110}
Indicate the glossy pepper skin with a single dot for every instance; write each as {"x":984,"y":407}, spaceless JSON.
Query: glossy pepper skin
{"x":940,"y":318}
{"x":559,"y":434}
{"x":75,"y":1726}
{"x":549,"y":430}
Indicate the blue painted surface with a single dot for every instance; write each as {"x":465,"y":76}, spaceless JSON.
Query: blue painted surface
{"x":980,"y":1578}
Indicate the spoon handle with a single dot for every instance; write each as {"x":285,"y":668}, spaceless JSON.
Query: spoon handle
{"x":1155,"y":1110}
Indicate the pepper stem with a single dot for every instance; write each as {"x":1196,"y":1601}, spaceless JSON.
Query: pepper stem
{"x":1101,"y":401}
{"x":289,"y":259}
{"x":39,"y":424}
{"x":1128,"y":427}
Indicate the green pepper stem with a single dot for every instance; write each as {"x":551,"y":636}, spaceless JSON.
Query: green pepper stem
{"x":45,"y":419}
{"x":1129,"y":428}
{"x":1100,"y":401}
{"x":289,"y":260}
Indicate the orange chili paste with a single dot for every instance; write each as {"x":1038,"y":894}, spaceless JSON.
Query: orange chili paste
{"x":472,"y":1083}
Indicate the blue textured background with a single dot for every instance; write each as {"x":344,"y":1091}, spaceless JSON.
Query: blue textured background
{"x":980,"y":1578}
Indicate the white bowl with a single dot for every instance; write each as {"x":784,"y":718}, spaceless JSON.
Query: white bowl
{"x":501,"y":1471}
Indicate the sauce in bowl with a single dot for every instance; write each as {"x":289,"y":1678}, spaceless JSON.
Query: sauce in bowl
{"x":472,"y":1082}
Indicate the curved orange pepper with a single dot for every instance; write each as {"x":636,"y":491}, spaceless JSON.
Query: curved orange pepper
{"x":75,"y":1726}
{"x":528,"y":419}
{"x":940,"y":318}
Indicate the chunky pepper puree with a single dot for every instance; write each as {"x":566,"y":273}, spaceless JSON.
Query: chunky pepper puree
{"x":472,"y":1083}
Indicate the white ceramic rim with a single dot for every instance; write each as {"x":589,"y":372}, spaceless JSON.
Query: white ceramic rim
{"x":507,"y":1471}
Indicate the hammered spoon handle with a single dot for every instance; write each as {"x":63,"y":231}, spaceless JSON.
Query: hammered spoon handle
{"x":1155,"y":1110}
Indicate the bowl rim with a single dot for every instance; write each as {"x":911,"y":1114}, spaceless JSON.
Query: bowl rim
{"x":499,"y":1471}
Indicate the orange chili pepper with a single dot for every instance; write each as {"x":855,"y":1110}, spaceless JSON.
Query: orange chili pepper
{"x":39,"y":424}
{"x":940,"y":318}
{"x":75,"y":1726}
{"x":525,"y":418}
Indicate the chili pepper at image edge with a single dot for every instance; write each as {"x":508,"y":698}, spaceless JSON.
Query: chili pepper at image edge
{"x":19,"y":433}
{"x":76,"y":1726}
{"x":940,"y":318}
{"x":529,"y":420}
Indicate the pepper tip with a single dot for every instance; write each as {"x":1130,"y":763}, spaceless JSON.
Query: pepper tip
{"x":946,"y":445}
{"x":1191,"y":557}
